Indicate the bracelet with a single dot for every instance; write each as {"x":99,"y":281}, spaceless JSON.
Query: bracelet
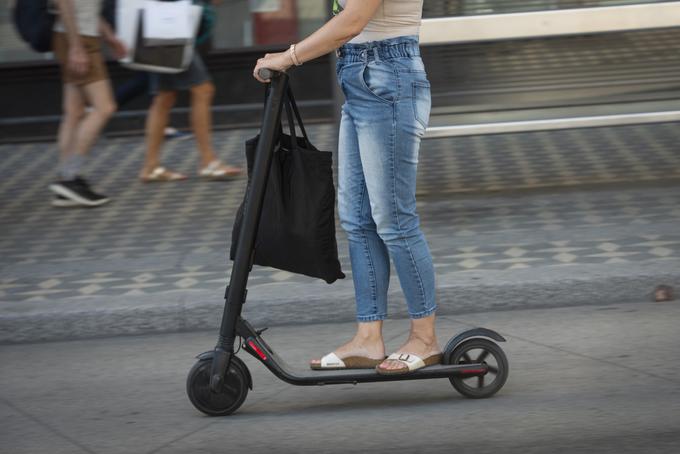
{"x":293,"y":56}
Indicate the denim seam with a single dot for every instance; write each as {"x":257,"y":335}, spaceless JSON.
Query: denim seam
{"x":398,"y":97}
{"x":338,"y":73}
{"x":415,"y":86}
{"x":396,"y":211}
{"x":367,"y":251}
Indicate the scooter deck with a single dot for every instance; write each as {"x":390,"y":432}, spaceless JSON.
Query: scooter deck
{"x":370,"y":375}
{"x":258,"y":348}
{"x":311,"y":377}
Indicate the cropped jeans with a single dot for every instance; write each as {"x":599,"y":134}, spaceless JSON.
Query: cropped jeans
{"x":385,"y":114}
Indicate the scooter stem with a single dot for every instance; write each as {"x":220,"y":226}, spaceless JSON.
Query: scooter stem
{"x":235,"y":294}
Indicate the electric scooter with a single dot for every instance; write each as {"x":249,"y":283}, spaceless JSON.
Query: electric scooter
{"x":218,"y":383}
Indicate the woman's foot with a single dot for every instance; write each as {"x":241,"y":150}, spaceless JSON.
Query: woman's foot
{"x":414,"y":354}
{"x":367,"y":343}
{"x":160,"y":174}
{"x":355,"y":354}
{"x":422,"y":345}
{"x":215,"y":170}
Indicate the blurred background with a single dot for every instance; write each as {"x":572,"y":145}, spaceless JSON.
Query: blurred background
{"x":474,"y":80}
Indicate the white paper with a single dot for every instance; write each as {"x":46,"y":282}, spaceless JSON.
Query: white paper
{"x":168,"y":20}
{"x":127,"y":14}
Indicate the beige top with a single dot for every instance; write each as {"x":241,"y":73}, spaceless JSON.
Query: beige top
{"x":87,"y":17}
{"x":393,"y":18}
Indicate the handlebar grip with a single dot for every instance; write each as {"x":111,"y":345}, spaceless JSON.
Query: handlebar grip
{"x":266,"y":73}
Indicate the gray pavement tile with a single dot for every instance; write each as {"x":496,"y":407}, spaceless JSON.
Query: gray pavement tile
{"x":24,"y":433}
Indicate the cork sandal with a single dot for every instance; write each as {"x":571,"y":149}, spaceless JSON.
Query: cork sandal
{"x":410,"y":363}
{"x":332,"y":362}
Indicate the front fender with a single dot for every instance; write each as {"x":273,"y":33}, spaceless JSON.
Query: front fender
{"x":209,"y":355}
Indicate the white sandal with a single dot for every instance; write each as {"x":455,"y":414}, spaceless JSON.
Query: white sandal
{"x":218,"y":171}
{"x":410,"y":363}
{"x":162,"y":174}
{"x":332,"y":362}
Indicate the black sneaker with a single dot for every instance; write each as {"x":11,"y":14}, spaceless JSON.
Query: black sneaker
{"x":78,"y":190}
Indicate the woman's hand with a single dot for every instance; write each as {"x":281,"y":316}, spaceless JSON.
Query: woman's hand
{"x":280,"y":61}
{"x":117,"y":47}
{"x":78,"y":60}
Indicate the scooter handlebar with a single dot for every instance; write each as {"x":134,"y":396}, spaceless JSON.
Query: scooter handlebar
{"x":266,"y":73}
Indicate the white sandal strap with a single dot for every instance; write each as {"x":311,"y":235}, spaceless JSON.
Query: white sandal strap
{"x":332,"y":360}
{"x":212,"y":169}
{"x":412,"y":361}
{"x":157,"y":172}
{"x":161,"y":173}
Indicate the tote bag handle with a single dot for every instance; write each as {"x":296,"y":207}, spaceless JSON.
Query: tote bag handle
{"x":292,"y":115}
{"x":290,"y":103}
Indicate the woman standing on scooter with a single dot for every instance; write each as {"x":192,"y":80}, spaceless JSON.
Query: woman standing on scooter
{"x":384,"y":117}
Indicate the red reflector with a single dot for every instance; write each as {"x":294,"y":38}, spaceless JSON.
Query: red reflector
{"x":473,"y":371}
{"x":259,"y":352}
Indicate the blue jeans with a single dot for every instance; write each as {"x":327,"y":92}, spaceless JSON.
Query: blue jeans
{"x":386,"y":111}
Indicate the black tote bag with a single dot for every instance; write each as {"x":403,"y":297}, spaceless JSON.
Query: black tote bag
{"x":297,"y":225}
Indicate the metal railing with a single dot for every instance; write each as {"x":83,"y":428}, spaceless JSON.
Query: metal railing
{"x":544,"y":24}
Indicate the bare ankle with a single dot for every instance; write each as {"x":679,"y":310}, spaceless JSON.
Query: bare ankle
{"x":368,"y":337}
{"x":428,"y":339}
{"x":369,"y":332}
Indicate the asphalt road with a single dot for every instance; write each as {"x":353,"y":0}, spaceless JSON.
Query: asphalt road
{"x":582,"y":379}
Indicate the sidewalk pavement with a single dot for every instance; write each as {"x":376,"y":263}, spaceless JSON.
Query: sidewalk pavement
{"x":541,"y":219}
{"x":599,"y":379}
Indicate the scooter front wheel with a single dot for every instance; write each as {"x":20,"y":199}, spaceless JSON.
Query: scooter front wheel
{"x":228,"y":399}
{"x":480,"y":351}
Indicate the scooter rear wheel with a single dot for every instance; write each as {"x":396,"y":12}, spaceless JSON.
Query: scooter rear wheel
{"x":483,"y":351}
{"x":231,"y":396}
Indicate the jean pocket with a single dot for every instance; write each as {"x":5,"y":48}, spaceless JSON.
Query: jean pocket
{"x":380,"y":80}
{"x":422,"y":102}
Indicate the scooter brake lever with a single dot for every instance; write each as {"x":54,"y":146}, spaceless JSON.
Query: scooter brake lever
{"x":260,"y":331}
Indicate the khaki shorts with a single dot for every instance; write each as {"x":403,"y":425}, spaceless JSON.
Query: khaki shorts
{"x":96,"y":69}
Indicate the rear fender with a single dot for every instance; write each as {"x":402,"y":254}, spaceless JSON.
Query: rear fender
{"x":469,"y":334}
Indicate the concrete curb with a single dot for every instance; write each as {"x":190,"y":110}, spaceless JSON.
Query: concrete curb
{"x":316,"y":302}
